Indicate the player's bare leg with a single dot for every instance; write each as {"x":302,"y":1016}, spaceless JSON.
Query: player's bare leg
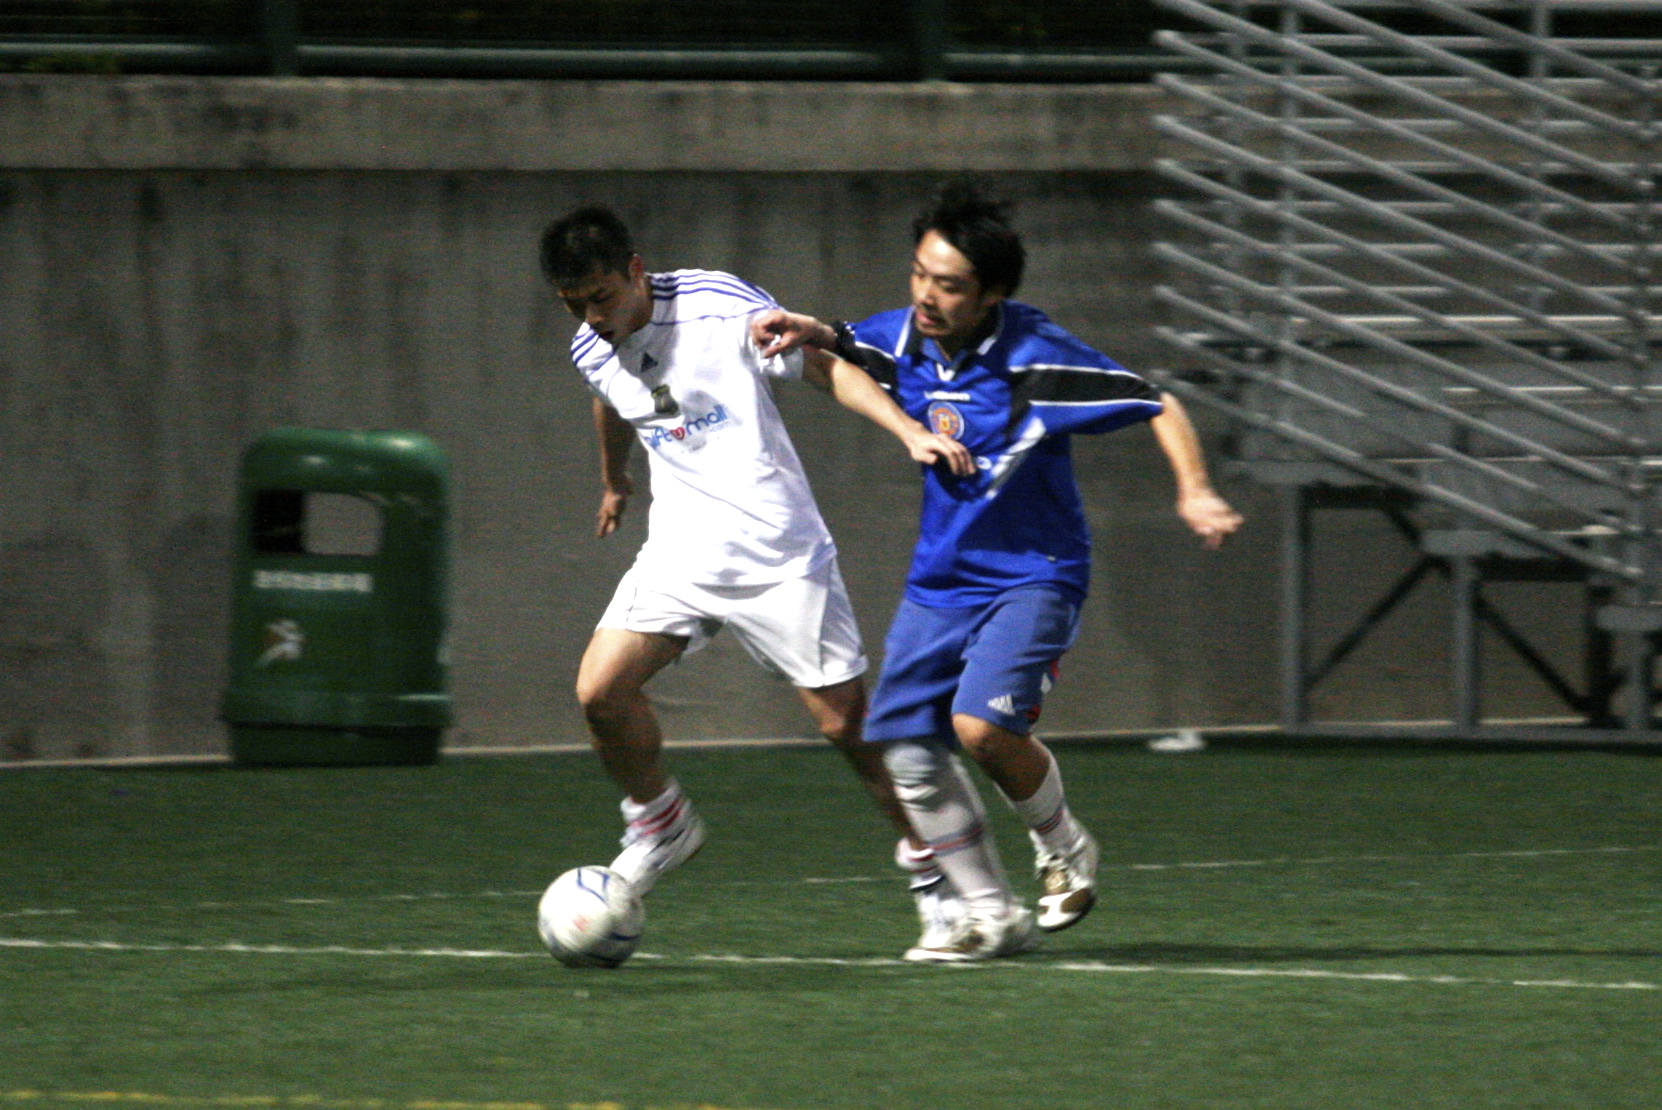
{"x":839,"y":713}
{"x":1025,"y":771}
{"x":1017,"y":763}
{"x":615,"y":667}
{"x":663,"y":831}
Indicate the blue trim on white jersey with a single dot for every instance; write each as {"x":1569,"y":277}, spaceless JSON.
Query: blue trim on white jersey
{"x":583,"y":342}
{"x":682,"y":282}
{"x":722,"y":294}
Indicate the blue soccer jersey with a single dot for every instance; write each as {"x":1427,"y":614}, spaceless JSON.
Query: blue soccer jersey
{"x":1013,"y":400}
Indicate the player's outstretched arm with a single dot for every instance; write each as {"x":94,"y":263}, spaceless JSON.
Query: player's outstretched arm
{"x":616,"y":437}
{"x":855,"y":390}
{"x":1208,"y":515}
{"x":777,"y":331}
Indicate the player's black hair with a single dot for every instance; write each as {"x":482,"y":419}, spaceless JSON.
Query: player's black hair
{"x":979,"y":227}
{"x":583,"y":241}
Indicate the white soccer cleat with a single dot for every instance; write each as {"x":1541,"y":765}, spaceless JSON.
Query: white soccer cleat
{"x":980,"y":936}
{"x":939,"y":907}
{"x":646,"y":856}
{"x":1069,"y":882}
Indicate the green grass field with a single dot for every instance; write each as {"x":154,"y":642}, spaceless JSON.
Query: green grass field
{"x":1279,"y":929}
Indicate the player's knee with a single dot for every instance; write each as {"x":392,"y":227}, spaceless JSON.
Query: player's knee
{"x":605,"y":702}
{"x":841,"y":729}
{"x":981,"y":740}
{"x":839,"y":713}
{"x":916,"y":768}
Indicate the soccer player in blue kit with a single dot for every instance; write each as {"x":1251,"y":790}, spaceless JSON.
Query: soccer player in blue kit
{"x":1002,"y":561}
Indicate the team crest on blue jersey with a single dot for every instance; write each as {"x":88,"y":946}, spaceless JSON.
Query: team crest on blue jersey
{"x":946,"y":420}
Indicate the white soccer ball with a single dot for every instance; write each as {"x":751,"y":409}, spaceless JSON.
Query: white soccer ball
{"x":590,"y":917}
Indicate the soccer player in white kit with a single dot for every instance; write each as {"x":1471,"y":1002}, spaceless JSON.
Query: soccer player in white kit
{"x":734,"y":538}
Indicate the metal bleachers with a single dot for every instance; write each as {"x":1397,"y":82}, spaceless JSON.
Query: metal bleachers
{"x":1412,"y":251}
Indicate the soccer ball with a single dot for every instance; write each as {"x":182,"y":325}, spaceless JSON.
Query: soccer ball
{"x":589,"y":917}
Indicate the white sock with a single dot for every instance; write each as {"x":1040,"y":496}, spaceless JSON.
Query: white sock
{"x":946,"y":810}
{"x":919,"y":864}
{"x":661,"y":814}
{"x":1047,"y":816}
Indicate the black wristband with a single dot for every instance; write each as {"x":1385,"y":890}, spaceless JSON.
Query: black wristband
{"x":845,"y":347}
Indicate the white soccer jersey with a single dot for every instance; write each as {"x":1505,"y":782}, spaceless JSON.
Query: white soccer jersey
{"x":730,"y":503}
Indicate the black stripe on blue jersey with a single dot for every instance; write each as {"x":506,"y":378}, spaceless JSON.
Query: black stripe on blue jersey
{"x":875,"y":361}
{"x":1075,"y":385}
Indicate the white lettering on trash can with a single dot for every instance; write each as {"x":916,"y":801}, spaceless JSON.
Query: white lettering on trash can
{"x":283,"y":641}
{"x":318,"y":580}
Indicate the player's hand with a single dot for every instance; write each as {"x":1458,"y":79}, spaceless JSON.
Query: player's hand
{"x":612,"y":504}
{"x":930,"y":448}
{"x":776,"y":331}
{"x":1210,"y":517}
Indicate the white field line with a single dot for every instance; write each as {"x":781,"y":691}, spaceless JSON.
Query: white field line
{"x":1197,"y":865}
{"x":430,"y":896}
{"x":220,"y":759}
{"x":1523,"y":853}
{"x":1069,"y":966}
{"x":304,"y":1102}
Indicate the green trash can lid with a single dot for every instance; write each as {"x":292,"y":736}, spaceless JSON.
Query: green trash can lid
{"x":337,"y":461}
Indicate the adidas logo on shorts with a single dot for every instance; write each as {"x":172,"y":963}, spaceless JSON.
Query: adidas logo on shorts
{"x":1004,"y":703}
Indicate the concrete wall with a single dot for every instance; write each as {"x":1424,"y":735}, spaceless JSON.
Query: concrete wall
{"x":187,"y":263}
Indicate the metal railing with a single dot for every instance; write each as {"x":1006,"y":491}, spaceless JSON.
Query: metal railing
{"x":1416,"y":250}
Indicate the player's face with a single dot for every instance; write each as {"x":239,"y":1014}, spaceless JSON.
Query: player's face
{"x":948,"y":301}
{"x":616,"y":305}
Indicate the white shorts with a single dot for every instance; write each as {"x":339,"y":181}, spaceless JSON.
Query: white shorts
{"x":802,"y":628}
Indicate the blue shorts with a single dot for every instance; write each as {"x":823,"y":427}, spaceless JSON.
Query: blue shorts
{"x":994,"y":661}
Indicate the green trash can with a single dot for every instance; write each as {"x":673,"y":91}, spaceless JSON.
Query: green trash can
{"x":338,"y":600}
